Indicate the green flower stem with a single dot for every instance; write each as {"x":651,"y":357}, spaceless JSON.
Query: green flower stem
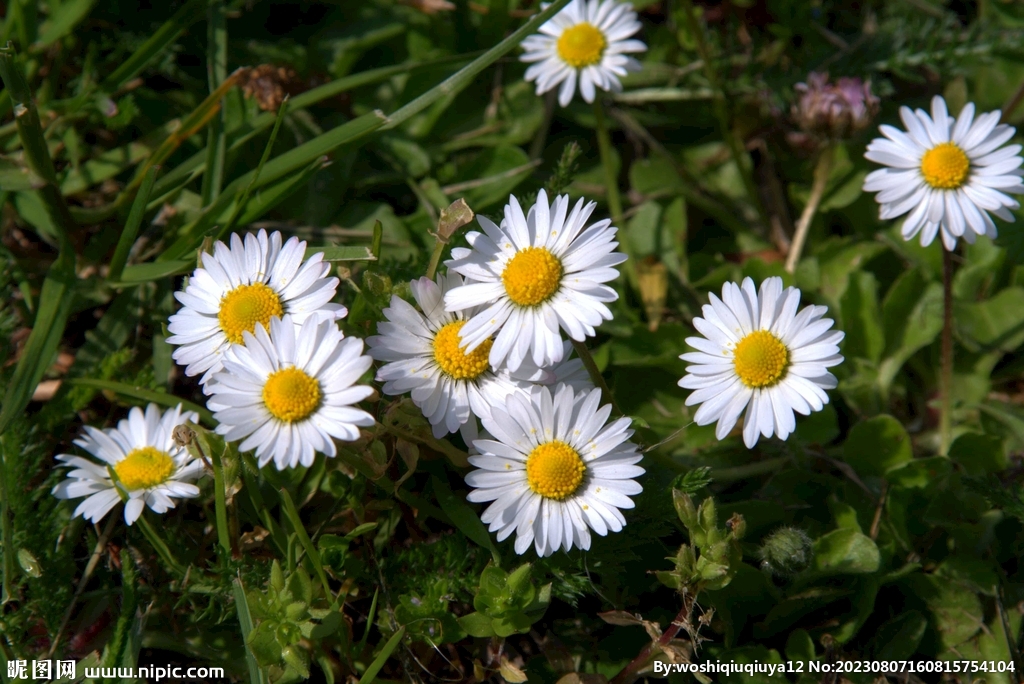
{"x":611,"y":181}
{"x":435,"y":257}
{"x":946,"y":377}
{"x":220,"y":502}
{"x":822,"y":170}
{"x":160,"y":546}
{"x":721,"y":111}
{"x":595,"y":374}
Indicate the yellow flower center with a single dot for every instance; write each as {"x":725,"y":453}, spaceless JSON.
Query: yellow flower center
{"x":760,"y":359}
{"x":532,"y":276}
{"x":244,"y":307}
{"x":453,"y":361}
{"x":554,"y":470}
{"x":945,"y":166}
{"x":581,"y":45}
{"x":144,"y":468}
{"x":290,"y":395}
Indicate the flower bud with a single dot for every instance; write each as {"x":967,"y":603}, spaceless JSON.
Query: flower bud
{"x":834,"y":110}
{"x":786,"y":552}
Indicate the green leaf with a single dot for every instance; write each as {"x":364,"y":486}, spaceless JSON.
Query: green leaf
{"x":845,"y":552}
{"x":246,"y":625}
{"x":477,"y":625}
{"x":342,"y":253}
{"x":136,"y":392}
{"x":876,"y":445}
{"x":861,"y":320}
{"x":382,"y":656}
{"x":995,"y":324}
{"x":911,"y":318}
{"x":63,"y":21}
{"x":979,"y":453}
{"x":464,"y":517}
{"x":15,"y":176}
{"x":919,"y":473}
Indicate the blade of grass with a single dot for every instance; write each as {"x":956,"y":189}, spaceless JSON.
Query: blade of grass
{"x":240,"y":137}
{"x":369,"y":622}
{"x":276,"y":168}
{"x":281,"y":112}
{"x":55,"y":297}
{"x":150,"y":271}
{"x":371,"y":672}
{"x":161,"y":398}
{"x":304,"y":540}
{"x":129,"y":604}
{"x":463,"y":517}
{"x":463,"y":76}
{"x":246,"y":625}
{"x":343,"y":253}
{"x":187,"y":15}
{"x":131,"y":226}
{"x":216,"y":72}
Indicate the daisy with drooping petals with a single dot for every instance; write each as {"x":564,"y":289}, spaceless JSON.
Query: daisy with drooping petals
{"x":555,"y":470}
{"x":758,"y":353}
{"x":291,"y":390}
{"x":150,"y":468}
{"x":589,"y":42}
{"x":425,"y":356}
{"x":947,"y":172}
{"x":535,"y":273}
{"x":242,"y":287}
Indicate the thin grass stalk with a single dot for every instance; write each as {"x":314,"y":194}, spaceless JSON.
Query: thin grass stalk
{"x":220,"y":502}
{"x":822,"y":170}
{"x":131,"y":227}
{"x":611,"y":179}
{"x":216,"y":72}
{"x":721,"y":110}
{"x":461,"y":78}
{"x":946,"y":352}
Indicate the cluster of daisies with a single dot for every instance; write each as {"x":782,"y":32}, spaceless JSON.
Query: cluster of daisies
{"x":481,"y":350}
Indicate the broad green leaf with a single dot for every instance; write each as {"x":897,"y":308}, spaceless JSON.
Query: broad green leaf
{"x":477,"y":624}
{"x":845,"y":552}
{"x":996,"y":323}
{"x":342,"y":253}
{"x":919,"y":473}
{"x":957,"y":613}
{"x":897,"y":639}
{"x":876,"y":445}
{"x":861,"y":321}
{"x":978,"y":453}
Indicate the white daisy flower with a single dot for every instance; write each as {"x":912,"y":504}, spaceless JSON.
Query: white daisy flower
{"x":757,"y":350}
{"x":535,"y":273}
{"x":424,"y":356}
{"x":947,"y":172}
{"x":555,"y":470}
{"x":589,"y":42}
{"x":151,"y":469}
{"x":244,"y":285}
{"x":290,"y":391}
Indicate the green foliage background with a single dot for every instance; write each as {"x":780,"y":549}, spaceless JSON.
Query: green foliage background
{"x":372,"y":565}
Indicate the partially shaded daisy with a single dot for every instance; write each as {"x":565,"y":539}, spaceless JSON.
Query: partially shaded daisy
{"x":759,"y":354}
{"x":290,"y":391}
{"x":535,"y":273}
{"x":241,"y":288}
{"x":588,"y":42}
{"x":150,"y":468}
{"x":947,"y":172}
{"x":426,"y":357}
{"x":555,"y":470}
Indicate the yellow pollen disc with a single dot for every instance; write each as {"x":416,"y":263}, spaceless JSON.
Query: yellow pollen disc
{"x":554,"y":470}
{"x":532,"y":276}
{"x":290,"y":395}
{"x":244,"y":307}
{"x":760,"y":359}
{"x":144,"y":467}
{"x":945,"y":166}
{"x":453,"y":361}
{"x":581,"y":45}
